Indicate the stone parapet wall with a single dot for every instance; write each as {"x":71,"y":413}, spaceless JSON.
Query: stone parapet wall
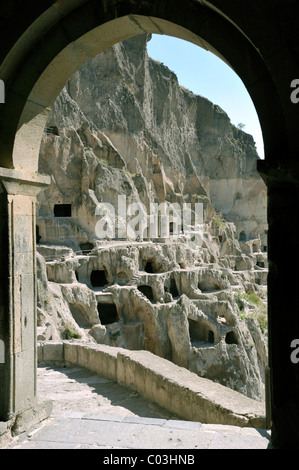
{"x":160,"y":381}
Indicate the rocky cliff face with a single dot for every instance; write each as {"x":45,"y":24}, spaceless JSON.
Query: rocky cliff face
{"x":123,"y":126}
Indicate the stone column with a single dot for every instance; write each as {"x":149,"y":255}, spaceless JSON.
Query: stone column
{"x":18,"y":191}
{"x":283,"y":299}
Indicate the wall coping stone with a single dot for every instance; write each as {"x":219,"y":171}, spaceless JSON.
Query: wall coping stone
{"x":158,"y":380}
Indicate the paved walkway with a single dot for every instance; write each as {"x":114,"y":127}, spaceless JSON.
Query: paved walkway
{"x":92,"y":412}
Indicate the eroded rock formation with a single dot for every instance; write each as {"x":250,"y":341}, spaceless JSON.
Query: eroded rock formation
{"x":123,"y":126}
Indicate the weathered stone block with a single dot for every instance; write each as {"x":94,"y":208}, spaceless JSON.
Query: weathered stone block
{"x":70,"y":352}
{"x":37,"y":412}
{"x":23,"y":263}
{"x":22,"y":205}
{"x":24,"y":389}
{"x":53,"y":352}
{"x":28,"y":314}
{"x":22,"y":235}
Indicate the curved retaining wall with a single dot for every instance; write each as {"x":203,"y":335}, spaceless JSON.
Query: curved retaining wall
{"x":158,"y":380}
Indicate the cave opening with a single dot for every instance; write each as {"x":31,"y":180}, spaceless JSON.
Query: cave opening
{"x":242,"y":236}
{"x":211,"y":337}
{"x":107,"y":313}
{"x":149,"y":268}
{"x":209,"y":285}
{"x":62,"y":210}
{"x":37,"y":235}
{"x":173,"y":289}
{"x":260,"y":264}
{"x":147,"y":291}
{"x":51,"y":130}
{"x":98,"y":278}
{"x":199,"y":333}
{"x":231,"y":338}
{"x":86,"y":247}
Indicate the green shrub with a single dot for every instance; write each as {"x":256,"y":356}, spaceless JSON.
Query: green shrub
{"x":70,"y":333}
{"x":219,"y":222}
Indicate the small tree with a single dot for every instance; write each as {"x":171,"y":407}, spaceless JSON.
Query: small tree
{"x":241,"y":125}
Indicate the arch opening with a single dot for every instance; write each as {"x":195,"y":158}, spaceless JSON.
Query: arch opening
{"x":267,"y":86}
{"x":152,"y":262}
{"x":208,"y":334}
{"x":60,"y":63}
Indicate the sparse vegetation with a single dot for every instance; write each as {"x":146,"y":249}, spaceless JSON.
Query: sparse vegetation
{"x":88,"y":152}
{"x":220,"y":223}
{"x":70,"y":333}
{"x":256,"y":308}
{"x":131,"y":175}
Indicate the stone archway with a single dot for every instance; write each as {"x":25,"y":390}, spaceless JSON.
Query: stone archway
{"x":47,"y":44}
{"x":70,"y":42}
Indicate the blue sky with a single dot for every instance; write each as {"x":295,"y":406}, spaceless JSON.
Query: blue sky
{"x":205,"y":74}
